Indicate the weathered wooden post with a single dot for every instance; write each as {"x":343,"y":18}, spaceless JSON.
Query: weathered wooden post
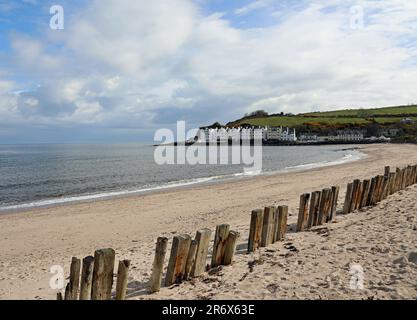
{"x":268,"y":226}
{"x":365,"y":193}
{"x":122,"y":277}
{"x":255,"y":231}
{"x":314,"y":209}
{"x":359,"y":195}
{"x":387,"y":171}
{"x":348,"y":198}
{"x":230,"y":248}
{"x":203,"y":240}
{"x":334,"y":199}
{"x":222,"y":232}
{"x":371,"y":192}
{"x":282,"y":222}
{"x":190,"y":259}
{"x":158,"y":264}
{"x":74,"y":279}
{"x":177,"y":259}
{"x":324,"y":206}
{"x":392,"y":183}
{"x":303,"y":212}
{"x":355,"y":192}
{"x":380,"y":185}
{"x":103,"y":274}
{"x":86,"y":278}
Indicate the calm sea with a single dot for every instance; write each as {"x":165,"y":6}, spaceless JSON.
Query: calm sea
{"x":40,"y":175}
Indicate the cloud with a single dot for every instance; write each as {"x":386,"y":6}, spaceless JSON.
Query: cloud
{"x":255,"y":5}
{"x":126,"y":65}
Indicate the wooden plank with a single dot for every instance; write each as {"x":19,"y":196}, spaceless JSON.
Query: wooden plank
{"x":190,"y":259}
{"x":365,"y":193}
{"x":203,"y":240}
{"x":282,"y":222}
{"x":230,"y":248}
{"x":348,"y":198}
{"x":268,"y":226}
{"x":334,"y":199}
{"x":177,"y":259}
{"x":222,"y":232}
{"x":74,"y":278}
{"x":86,"y":278}
{"x":122,"y":278}
{"x":103,"y":274}
{"x":255,"y":231}
{"x":158,"y":264}
{"x":303,"y":212}
{"x":314,"y":209}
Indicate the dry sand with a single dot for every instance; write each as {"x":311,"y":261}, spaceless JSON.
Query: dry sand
{"x":308,"y":265}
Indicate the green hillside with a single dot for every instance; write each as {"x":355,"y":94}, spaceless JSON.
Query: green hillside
{"x":339,"y":118}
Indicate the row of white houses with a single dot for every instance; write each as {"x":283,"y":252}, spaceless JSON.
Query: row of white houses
{"x":257,"y":133}
{"x":276,"y":134}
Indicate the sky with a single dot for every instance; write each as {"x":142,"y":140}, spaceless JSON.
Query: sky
{"x":119,"y":69}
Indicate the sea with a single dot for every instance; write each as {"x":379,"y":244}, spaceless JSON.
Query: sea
{"x":52,"y":174}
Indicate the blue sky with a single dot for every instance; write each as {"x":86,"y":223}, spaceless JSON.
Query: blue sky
{"x":122,"y":69}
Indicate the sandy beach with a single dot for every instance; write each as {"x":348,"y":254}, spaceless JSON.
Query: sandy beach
{"x":382,"y":239}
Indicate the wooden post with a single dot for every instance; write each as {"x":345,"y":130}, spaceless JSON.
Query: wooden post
{"x":369,"y":201}
{"x":333,"y":208}
{"x":355,"y":192}
{"x":158,"y":264}
{"x":122,"y":277}
{"x":68,"y":291}
{"x":348,"y":198}
{"x":255,"y":231}
{"x":387,"y":171}
{"x":303,"y":212}
{"x":365,"y":193}
{"x":392,"y":183}
{"x":74,"y":278}
{"x":358,"y":195}
{"x":380,"y":182}
{"x":403,"y":179}
{"x":324,"y":206}
{"x":230,"y":248}
{"x":103,"y":274}
{"x":203,"y":240}
{"x":177,"y":259}
{"x":314,"y":209}
{"x":268,"y":226}
{"x":86,"y":278}
{"x":222,"y":232}
{"x":384,"y":192}
{"x":282,"y":223}
{"x":190,"y":259}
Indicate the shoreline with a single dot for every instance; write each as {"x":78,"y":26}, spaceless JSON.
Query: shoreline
{"x":34,"y":241}
{"x":178,"y":185}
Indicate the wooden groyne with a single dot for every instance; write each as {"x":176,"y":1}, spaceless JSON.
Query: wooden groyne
{"x":92,"y":278}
